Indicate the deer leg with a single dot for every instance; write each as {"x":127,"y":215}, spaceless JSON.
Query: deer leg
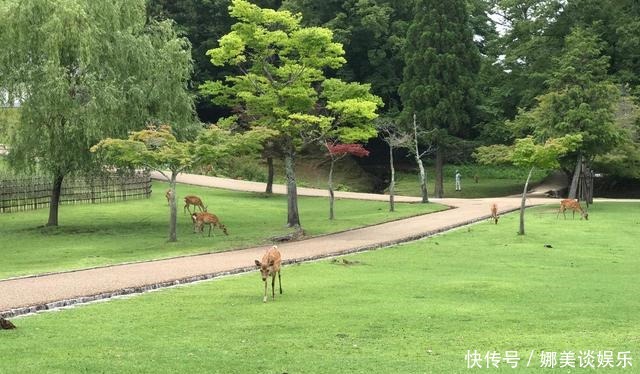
{"x":264,"y":300}
{"x":210,"y":225}
{"x":280,"y":282}
{"x":273,"y":282}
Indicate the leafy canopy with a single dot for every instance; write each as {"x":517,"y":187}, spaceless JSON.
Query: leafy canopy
{"x":85,"y":70}
{"x":281,"y":83}
{"x":580,"y":100}
{"x":526,"y":153}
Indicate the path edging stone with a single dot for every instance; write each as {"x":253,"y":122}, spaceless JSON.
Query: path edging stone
{"x":54,"y":305}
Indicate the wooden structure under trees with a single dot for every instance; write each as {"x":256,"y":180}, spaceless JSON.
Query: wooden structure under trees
{"x":30,"y":193}
{"x":585,"y":183}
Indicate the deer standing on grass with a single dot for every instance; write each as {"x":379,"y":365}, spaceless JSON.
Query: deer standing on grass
{"x":195,"y":201}
{"x":205,"y":218}
{"x":573,"y":205}
{"x":494,"y":213}
{"x":269,"y":266}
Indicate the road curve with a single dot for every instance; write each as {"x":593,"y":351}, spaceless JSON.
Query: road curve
{"x":29,"y":294}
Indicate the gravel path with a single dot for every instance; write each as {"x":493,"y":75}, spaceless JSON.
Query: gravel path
{"x":29,"y":294}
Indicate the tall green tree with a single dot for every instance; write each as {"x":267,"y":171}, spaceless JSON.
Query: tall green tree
{"x":581,"y":99}
{"x":441,"y":65}
{"x":203,"y":22}
{"x":617,"y":25}
{"x":526,"y":47}
{"x":281,"y":85}
{"x":87,"y":70}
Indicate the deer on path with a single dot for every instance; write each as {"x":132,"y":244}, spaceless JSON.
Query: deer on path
{"x":204,"y":218}
{"x":195,"y":201}
{"x":494,"y":213}
{"x":573,"y":205}
{"x":269,"y":266}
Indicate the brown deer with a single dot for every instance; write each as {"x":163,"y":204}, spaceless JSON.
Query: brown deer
{"x":204,"y":218}
{"x":168,"y":195}
{"x":494,"y":213}
{"x":269,"y":266}
{"x":195,"y":201}
{"x":573,"y":205}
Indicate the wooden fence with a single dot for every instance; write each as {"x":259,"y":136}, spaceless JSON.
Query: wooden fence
{"x":28,"y":193}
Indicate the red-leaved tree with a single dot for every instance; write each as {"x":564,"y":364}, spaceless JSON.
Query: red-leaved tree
{"x":338,"y":151}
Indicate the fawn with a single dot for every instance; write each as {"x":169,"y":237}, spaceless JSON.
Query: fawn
{"x":494,"y":213}
{"x":573,"y":205}
{"x":195,"y":201}
{"x":269,"y":266}
{"x":205,"y":218}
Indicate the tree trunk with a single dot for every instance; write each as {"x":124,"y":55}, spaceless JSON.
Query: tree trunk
{"x":173,"y":214}
{"x":269,"y":189}
{"x":392,"y":183}
{"x":293,"y":217}
{"x":423,"y":174}
{"x":439,"y":189}
{"x":331,"y":195}
{"x":423,"y":181}
{"x":573,"y":189}
{"x":523,"y":202}
{"x":54,"y":203}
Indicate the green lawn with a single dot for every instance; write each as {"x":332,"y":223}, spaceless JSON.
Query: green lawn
{"x":493,"y":181}
{"x":413,"y":308}
{"x":93,"y":235}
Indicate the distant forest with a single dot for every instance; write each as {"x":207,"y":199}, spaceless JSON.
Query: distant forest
{"x":479,"y":71}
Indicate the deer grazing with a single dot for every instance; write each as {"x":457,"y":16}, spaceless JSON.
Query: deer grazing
{"x":204,"y":218}
{"x":269,"y":266}
{"x":494,"y":213}
{"x":195,"y":201}
{"x":573,"y":205}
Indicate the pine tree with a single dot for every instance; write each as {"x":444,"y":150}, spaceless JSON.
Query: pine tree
{"x":441,"y":65}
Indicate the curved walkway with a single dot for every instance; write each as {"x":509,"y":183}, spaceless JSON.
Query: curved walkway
{"x":30,"y":294}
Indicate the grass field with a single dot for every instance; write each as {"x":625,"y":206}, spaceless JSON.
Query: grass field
{"x":93,"y":235}
{"x":493,"y":181}
{"x":414,"y":308}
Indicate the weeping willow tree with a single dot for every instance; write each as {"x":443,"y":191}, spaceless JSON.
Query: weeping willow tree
{"x":86,"y":70}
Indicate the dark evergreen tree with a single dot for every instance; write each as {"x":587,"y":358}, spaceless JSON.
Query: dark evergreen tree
{"x":203,"y":22}
{"x":441,"y":66}
{"x":372,"y":33}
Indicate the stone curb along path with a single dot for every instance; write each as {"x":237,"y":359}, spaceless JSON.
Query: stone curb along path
{"x":29,"y":294}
